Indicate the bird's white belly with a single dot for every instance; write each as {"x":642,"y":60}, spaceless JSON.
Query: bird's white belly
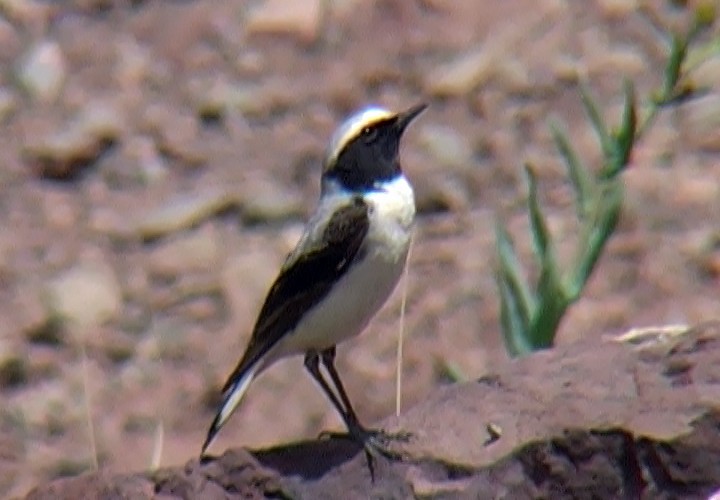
{"x":349,"y":305}
{"x":367,"y":284}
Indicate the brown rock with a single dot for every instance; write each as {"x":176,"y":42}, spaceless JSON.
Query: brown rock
{"x":602,"y":419}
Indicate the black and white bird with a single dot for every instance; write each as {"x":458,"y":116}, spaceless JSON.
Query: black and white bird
{"x":346,"y":264}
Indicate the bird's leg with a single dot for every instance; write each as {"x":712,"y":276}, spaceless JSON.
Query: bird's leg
{"x":373,"y":440}
{"x":328,"y":360}
{"x":312,"y":364}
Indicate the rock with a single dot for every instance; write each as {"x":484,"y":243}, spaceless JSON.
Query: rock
{"x":626,"y":61}
{"x":13,"y":367}
{"x":183,"y":211}
{"x":701,"y":123}
{"x":448,"y":148}
{"x":42,"y":71}
{"x":616,"y":9}
{"x":166,"y":339}
{"x":216,"y":98}
{"x":142,"y":151}
{"x":279,"y":17}
{"x":247,"y":276}
{"x":553,"y":423}
{"x":440,"y":193}
{"x":267,"y":200}
{"x":176,"y":133}
{"x":65,"y":153}
{"x":707,"y":75}
{"x":461,"y":75}
{"x":10,"y":42}
{"x":86,"y":295}
{"x":31,"y":14}
{"x":193,"y":251}
{"x":8,"y":102}
{"x":133,"y":62}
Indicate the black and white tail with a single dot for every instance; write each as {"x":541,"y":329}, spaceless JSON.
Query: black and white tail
{"x":231,"y":399}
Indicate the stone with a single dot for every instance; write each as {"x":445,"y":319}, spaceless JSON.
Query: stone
{"x":555,"y":421}
{"x":86,"y":295}
{"x":176,"y":133}
{"x":43,"y":70}
{"x":192,"y":251}
{"x":701,"y":123}
{"x":461,"y":75}
{"x":448,"y":148}
{"x":183,"y":211}
{"x":13,"y":366}
{"x":267,"y":200}
{"x":301,"y":20}
{"x":8,"y":102}
{"x":64,"y":153}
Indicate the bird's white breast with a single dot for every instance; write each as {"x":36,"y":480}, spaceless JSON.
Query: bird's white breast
{"x":367,"y":284}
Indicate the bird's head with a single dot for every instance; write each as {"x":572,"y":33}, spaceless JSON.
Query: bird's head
{"x":363,"y":151}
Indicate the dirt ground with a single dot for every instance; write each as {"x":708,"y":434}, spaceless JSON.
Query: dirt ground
{"x":157,"y":161}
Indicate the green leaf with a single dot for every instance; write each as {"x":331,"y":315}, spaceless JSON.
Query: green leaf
{"x":596,"y":234}
{"x":678,"y":51}
{"x":515,"y":332}
{"x":516,"y":303}
{"x":538,"y":226}
{"x":510,"y":272}
{"x":579,"y":175}
{"x":551,"y":307}
{"x":597,"y":120}
{"x":625,"y":137}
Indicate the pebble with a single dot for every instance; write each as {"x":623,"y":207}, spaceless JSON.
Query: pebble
{"x":268,"y":200}
{"x":248,"y":274}
{"x":701,"y":123}
{"x":707,"y":75}
{"x":166,"y":339}
{"x":301,"y":20}
{"x":8,"y":103}
{"x":192,"y":251}
{"x":31,"y":14}
{"x":143,"y":153}
{"x":86,"y":295}
{"x":624,"y":61}
{"x":463,"y":74}
{"x":64,"y":153}
{"x":13,"y":369}
{"x":438,"y":193}
{"x":133,"y":62}
{"x":10,"y":41}
{"x":176,"y":133}
{"x":616,"y":9}
{"x":183,"y":211}
{"x":42,"y":71}
{"x":448,"y":148}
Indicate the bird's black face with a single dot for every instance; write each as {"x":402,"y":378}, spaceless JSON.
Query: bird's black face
{"x":372,"y":156}
{"x":369,"y":158}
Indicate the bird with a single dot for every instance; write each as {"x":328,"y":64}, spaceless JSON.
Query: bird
{"x":346,"y":264}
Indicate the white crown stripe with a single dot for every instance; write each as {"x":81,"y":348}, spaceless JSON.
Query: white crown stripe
{"x":351,"y":128}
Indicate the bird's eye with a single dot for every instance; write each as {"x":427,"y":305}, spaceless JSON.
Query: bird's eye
{"x":369,"y":134}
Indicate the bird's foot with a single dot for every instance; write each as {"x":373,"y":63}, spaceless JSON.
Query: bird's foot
{"x":376,"y":442}
{"x":379,"y":442}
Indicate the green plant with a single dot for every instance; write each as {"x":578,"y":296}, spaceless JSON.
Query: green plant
{"x":530,"y":316}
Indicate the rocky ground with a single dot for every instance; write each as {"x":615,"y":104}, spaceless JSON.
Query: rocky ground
{"x":157,"y":160}
{"x":557,"y":425}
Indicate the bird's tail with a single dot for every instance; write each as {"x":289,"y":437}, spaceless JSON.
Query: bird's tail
{"x":231,"y":399}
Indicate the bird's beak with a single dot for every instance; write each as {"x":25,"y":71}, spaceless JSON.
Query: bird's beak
{"x":403,"y":119}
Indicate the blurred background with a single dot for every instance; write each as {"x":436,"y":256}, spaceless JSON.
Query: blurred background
{"x":158,"y":160}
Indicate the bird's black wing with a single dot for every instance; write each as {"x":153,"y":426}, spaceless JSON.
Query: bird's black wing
{"x":307,"y":276}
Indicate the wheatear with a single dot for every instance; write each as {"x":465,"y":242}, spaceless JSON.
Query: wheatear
{"x":346,"y":264}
